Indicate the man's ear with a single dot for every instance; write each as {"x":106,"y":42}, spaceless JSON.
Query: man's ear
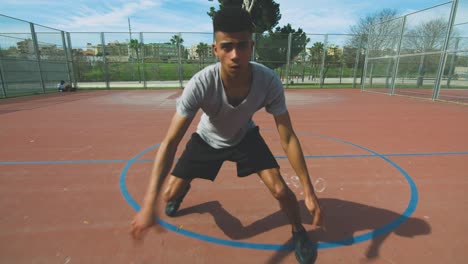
{"x":214,"y":49}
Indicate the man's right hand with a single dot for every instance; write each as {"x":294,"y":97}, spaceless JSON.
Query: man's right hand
{"x":141,"y":223}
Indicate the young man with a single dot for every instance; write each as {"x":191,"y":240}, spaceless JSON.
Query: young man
{"x":229,"y":93}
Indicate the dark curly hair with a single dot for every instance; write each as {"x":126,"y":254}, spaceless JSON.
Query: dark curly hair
{"x":232,"y":19}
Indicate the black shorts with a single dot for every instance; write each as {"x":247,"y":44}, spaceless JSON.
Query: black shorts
{"x":200,"y":160}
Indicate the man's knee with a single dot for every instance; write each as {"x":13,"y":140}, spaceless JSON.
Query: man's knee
{"x":278,"y":187}
{"x":173,"y":188}
{"x":281,"y":191}
{"x":167,"y":194}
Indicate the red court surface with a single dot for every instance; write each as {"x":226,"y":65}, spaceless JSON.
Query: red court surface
{"x":74,"y":168}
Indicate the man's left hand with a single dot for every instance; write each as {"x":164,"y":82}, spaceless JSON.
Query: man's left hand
{"x":313,"y":205}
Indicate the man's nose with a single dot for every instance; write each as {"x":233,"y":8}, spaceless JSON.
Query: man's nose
{"x":235,"y":53}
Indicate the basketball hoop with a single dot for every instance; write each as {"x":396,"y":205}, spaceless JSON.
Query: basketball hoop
{"x":248,"y":5}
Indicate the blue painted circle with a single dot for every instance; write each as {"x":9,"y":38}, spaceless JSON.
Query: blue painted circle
{"x":261,"y":246}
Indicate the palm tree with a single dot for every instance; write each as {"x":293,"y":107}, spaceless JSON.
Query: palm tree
{"x":202,"y":51}
{"x":176,"y":40}
{"x":316,"y":52}
{"x":135,"y":45}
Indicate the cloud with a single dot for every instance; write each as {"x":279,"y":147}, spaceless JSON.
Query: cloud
{"x":313,"y":16}
{"x":112,"y":18}
{"x":335,"y":16}
{"x":173,"y":21}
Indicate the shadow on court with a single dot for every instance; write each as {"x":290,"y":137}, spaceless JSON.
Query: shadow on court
{"x":342,"y":220}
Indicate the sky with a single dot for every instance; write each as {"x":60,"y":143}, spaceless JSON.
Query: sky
{"x":331,"y":16}
{"x":314,"y":17}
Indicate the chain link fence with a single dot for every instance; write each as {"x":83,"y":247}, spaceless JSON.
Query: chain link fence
{"x":33,"y":58}
{"x":419,"y":54}
{"x":422,"y":54}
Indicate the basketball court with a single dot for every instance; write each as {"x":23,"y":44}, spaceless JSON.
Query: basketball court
{"x":391,"y":174}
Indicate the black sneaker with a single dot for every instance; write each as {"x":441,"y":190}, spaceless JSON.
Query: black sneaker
{"x":173,"y":206}
{"x":304,"y":249}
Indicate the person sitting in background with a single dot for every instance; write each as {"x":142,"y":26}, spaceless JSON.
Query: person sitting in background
{"x":65,"y":88}
{"x":61,"y":86}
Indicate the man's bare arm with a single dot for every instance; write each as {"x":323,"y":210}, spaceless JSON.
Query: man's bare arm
{"x":293,"y":150}
{"x":165,"y":157}
{"x":162,"y":164}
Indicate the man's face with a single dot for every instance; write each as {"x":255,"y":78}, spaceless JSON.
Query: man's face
{"x":233,"y":51}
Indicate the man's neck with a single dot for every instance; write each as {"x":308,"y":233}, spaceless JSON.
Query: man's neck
{"x":242,"y":80}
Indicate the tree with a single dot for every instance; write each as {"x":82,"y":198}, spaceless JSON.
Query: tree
{"x":316,"y":54}
{"x":176,"y":40}
{"x":378,"y":34}
{"x":373,"y":24}
{"x":265,"y":13}
{"x":428,"y":36}
{"x":272,"y":48}
{"x":333,"y":56}
{"x":136,"y":46}
{"x":202,"y":51}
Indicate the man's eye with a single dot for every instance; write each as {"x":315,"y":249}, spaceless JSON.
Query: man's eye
{"x":226,"y":47}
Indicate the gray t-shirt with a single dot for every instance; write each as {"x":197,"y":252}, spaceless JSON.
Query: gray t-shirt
{"x":223,"y":125}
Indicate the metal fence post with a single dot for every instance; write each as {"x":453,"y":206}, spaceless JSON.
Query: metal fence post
{"x":181,"y":74}
{"x":324,"y":54}
{"x":288,"y":59}
{"x":142,"y":54}
{"x":452,"y":62}
{"x":443,"y":57}
{"x":397,"y":62}
{"x":2,"y":79}
{"x":252,"y":58}
{"x":38,"y":55}
{"x":72,"y":68}
{"x":65,"y":50}
{"x":364,"y":71}
{"x":106,"y":68}
{"x":356,"y":62}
